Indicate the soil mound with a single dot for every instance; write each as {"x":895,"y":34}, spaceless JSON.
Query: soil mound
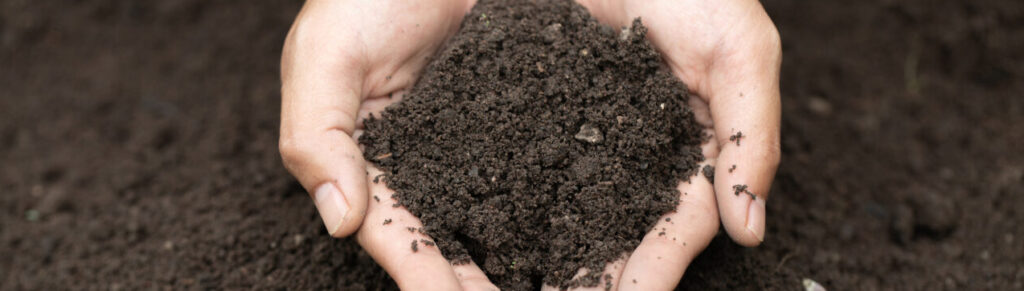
{"x":539,"y":142}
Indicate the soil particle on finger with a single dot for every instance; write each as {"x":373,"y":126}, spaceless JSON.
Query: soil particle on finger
{"x":427,"y":242}
{"x":733,"y":168}
{"x":415,"y":247}
{"x":411,"y":229}
{"x":387,"y":221}
{"x":538,"y":135}
{"x":709,"y":173}
{"x":739,"y":188}
{"x":736,"y":137}
{"x":375,"y":198}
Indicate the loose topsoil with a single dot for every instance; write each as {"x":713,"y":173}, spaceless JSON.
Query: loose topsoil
{"x":539,"y":142}
{"x":138,"y":150}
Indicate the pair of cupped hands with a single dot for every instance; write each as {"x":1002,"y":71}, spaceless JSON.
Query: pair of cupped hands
{"x":343,"y":59}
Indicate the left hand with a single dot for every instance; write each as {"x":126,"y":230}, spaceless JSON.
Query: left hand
{"x":728,"y":53}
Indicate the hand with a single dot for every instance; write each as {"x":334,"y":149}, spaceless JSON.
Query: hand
{"x":343,"y":60}
{"x":728,"y":52}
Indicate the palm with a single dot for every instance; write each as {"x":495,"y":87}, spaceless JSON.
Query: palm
{"x":394,"y":57}
{"x":342,"y":60}
{"x":728,"y":53}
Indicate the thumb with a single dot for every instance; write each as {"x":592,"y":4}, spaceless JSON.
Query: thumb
{"x":318,"y":118}
{"x":330,"y":166}
{"x":746,"y":108}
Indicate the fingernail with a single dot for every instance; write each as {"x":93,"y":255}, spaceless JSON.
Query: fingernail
{"x":755,"y":218}
{"x":332,"y":206}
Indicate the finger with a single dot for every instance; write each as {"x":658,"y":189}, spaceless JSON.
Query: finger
{"x":392,"y":236}
{"x":318,"y":115}
{"x":473,"y":278}
{"x":374,"y":106}
{"x":678,"y":237}
{"x":746,"y":110}
{"x":608,"y":280}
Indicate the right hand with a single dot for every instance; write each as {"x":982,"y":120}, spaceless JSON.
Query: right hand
{"x":343,"y":60}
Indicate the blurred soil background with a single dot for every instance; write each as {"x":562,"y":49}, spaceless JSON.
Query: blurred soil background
{"x":138,"y":150}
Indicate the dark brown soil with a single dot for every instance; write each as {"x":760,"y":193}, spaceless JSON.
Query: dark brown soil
{"x":138,"y":150}
{"x":539,"y":142}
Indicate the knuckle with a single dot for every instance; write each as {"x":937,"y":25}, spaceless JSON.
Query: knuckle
{"x":699,"y":209}
{"x":771,"y":153}
{"x":294,"y":150}
{"x":672,"y":239}
{"x":773,"y":41}
{"x":773,"y":38}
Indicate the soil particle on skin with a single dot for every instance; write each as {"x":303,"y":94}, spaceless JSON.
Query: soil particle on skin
{"x":739,"y":188}
{"x":411,"y":229}
{"x":538,"y":135}
{"x":387,"y":221}
{"x":427,"y":242}
{"x":415,"y":247}
{"x":736,"y":137}
{"x":375,"y":198}
{"x":709,"y":173}
{"x":733,"y":168}
{"x":668,"y":219}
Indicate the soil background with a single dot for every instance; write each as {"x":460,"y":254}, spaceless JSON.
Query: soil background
{"x":138,"y":150}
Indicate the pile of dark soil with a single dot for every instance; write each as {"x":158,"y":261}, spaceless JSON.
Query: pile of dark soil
{"x":138,"y":150}
{"x":539,"y":142}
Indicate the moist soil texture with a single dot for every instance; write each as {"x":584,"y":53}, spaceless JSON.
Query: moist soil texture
{"x":539,"y":143}
{"x":138,"y":150}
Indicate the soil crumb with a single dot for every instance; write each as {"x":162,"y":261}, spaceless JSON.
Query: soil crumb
{"x":739,"y":188}
{"x":736,"y":137}
{"x":539,"y":142}
{"x":709,"y":172}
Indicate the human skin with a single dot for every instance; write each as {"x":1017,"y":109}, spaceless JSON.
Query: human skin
{"x":728,"y":53}
{"x":342,"y":59}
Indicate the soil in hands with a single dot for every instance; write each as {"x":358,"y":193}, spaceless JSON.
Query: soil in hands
{"x":538,"y":143}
